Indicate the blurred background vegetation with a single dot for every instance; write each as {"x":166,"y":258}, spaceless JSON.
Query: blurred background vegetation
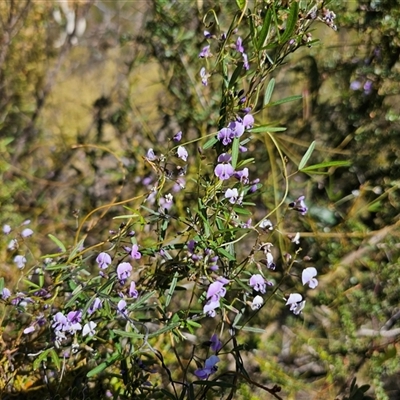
{"x":86,"y":87}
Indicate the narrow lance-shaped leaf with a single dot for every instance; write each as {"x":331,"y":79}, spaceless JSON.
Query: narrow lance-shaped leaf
{"x":327,"y":164}
{"x":268,"y":91}
{"x":307,"y":155}
{"x":291,"y":22}
{"x":264,"y":30}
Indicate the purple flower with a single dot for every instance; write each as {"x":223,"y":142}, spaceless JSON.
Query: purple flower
{"x":248,"y":121}
{"x":121,"y":306}
{"x":216,"y":289}
{"x":135,"y":253}
{"x":150,"y":155}
{"x":299,"y":205}
{"x":59,"y":321}
{"x":242,"y":175}
{"x":232,"y":195}
{"x":182,"y":153}
{"x":5,"y":294}
{"x":104,"y":260}
{"x":30,"y":329}
{"x":94,"y":306}
{"x":225,"y":135}
{"x":257,"y":282}
{"x":132,"y":291}
{"x":177,"y":137}
{"x":207,"y":34}
{"x":216,"y":344}
{"x":210,"y":306}
{"x":26,"y":233}
{"x":237,"y":128}
{"x":224,"y":171}
{"x":209,"y":368}
{"x":239,"y":45}
{"x":355,"y":85}
{"x":6,"y":229}
{"x":124,"y":270}
{"x":367,"y":87}
{"x":205,"y":52}
{"x":308,"y":277}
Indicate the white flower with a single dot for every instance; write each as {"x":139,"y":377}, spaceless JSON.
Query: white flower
{"x":266,"y":224}
{"x":308,"y":277}
{"x":296,"y":303}
{"x":13,"y":244}
{"x":20,"y":261}
{"x":88,"y":329}
{"x":182,"y":153}
{"x":257,"y":303}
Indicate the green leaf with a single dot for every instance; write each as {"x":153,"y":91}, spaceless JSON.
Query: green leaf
{"x":55,"y":359}
{"x":327,"y":164}
{"x":268,"y":91}
{"x":41,"y":358}
{"x":235,"y":152}
{"x":210,"y":143}
{"x":236,"y":74}
{"x":1,"y":284}
{"x":290,"y":22}
{"x":250,"y":329}
{"x":57,"y":242}
{"x":171,"y":289}
{"x":286,"y":100}
{"x":307,"y":155}
{"x":226,"y":254}
{"x":103,"y":365}
{"x":266,"y":128}
{"x":264,"y":30}
{"x":241,"y":4}
{"x":76,"y":250}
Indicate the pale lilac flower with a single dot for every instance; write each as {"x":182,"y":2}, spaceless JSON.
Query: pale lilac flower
{"x":20,"y":261}
{"x":88,"y":329}
{"x":232,"y":195}
{"x":205,"y":52}
{"x":237,"y":128}
{"x":308,"y":277}
{"x":295,"y":302}
{"x":26,"y":233}
{"x":124,"y":270}
{"x":6,"y":229}
{"x":132,"y":290}
{"x":26,"y":222}
{"x":209,"y":368}
{"x":210,"y":306}
{"x":215,"y":343}
{"x":104,"y":260}
{"x":121,"y":306}
{"x":60,"y":322}
{"x":225,"y":135}
{"x":239,"y":45}
{"x":257,"y":303}
{"x":182,"y":153}
{"x":29,"y":329}
{"x":355,"y":85}
{"x":150,"y":155}
{"x":135,"y":253}
{"x":207,"y":34}
{"x":248,"y":121}
{"x":224,"y":170}
{"x":177,"y":137}
{"x":5,"y":294}
{"x":242,"y":175}
{"x":97,"y":303}
{"x":257,"y":282}
{"x":216,"y":289}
